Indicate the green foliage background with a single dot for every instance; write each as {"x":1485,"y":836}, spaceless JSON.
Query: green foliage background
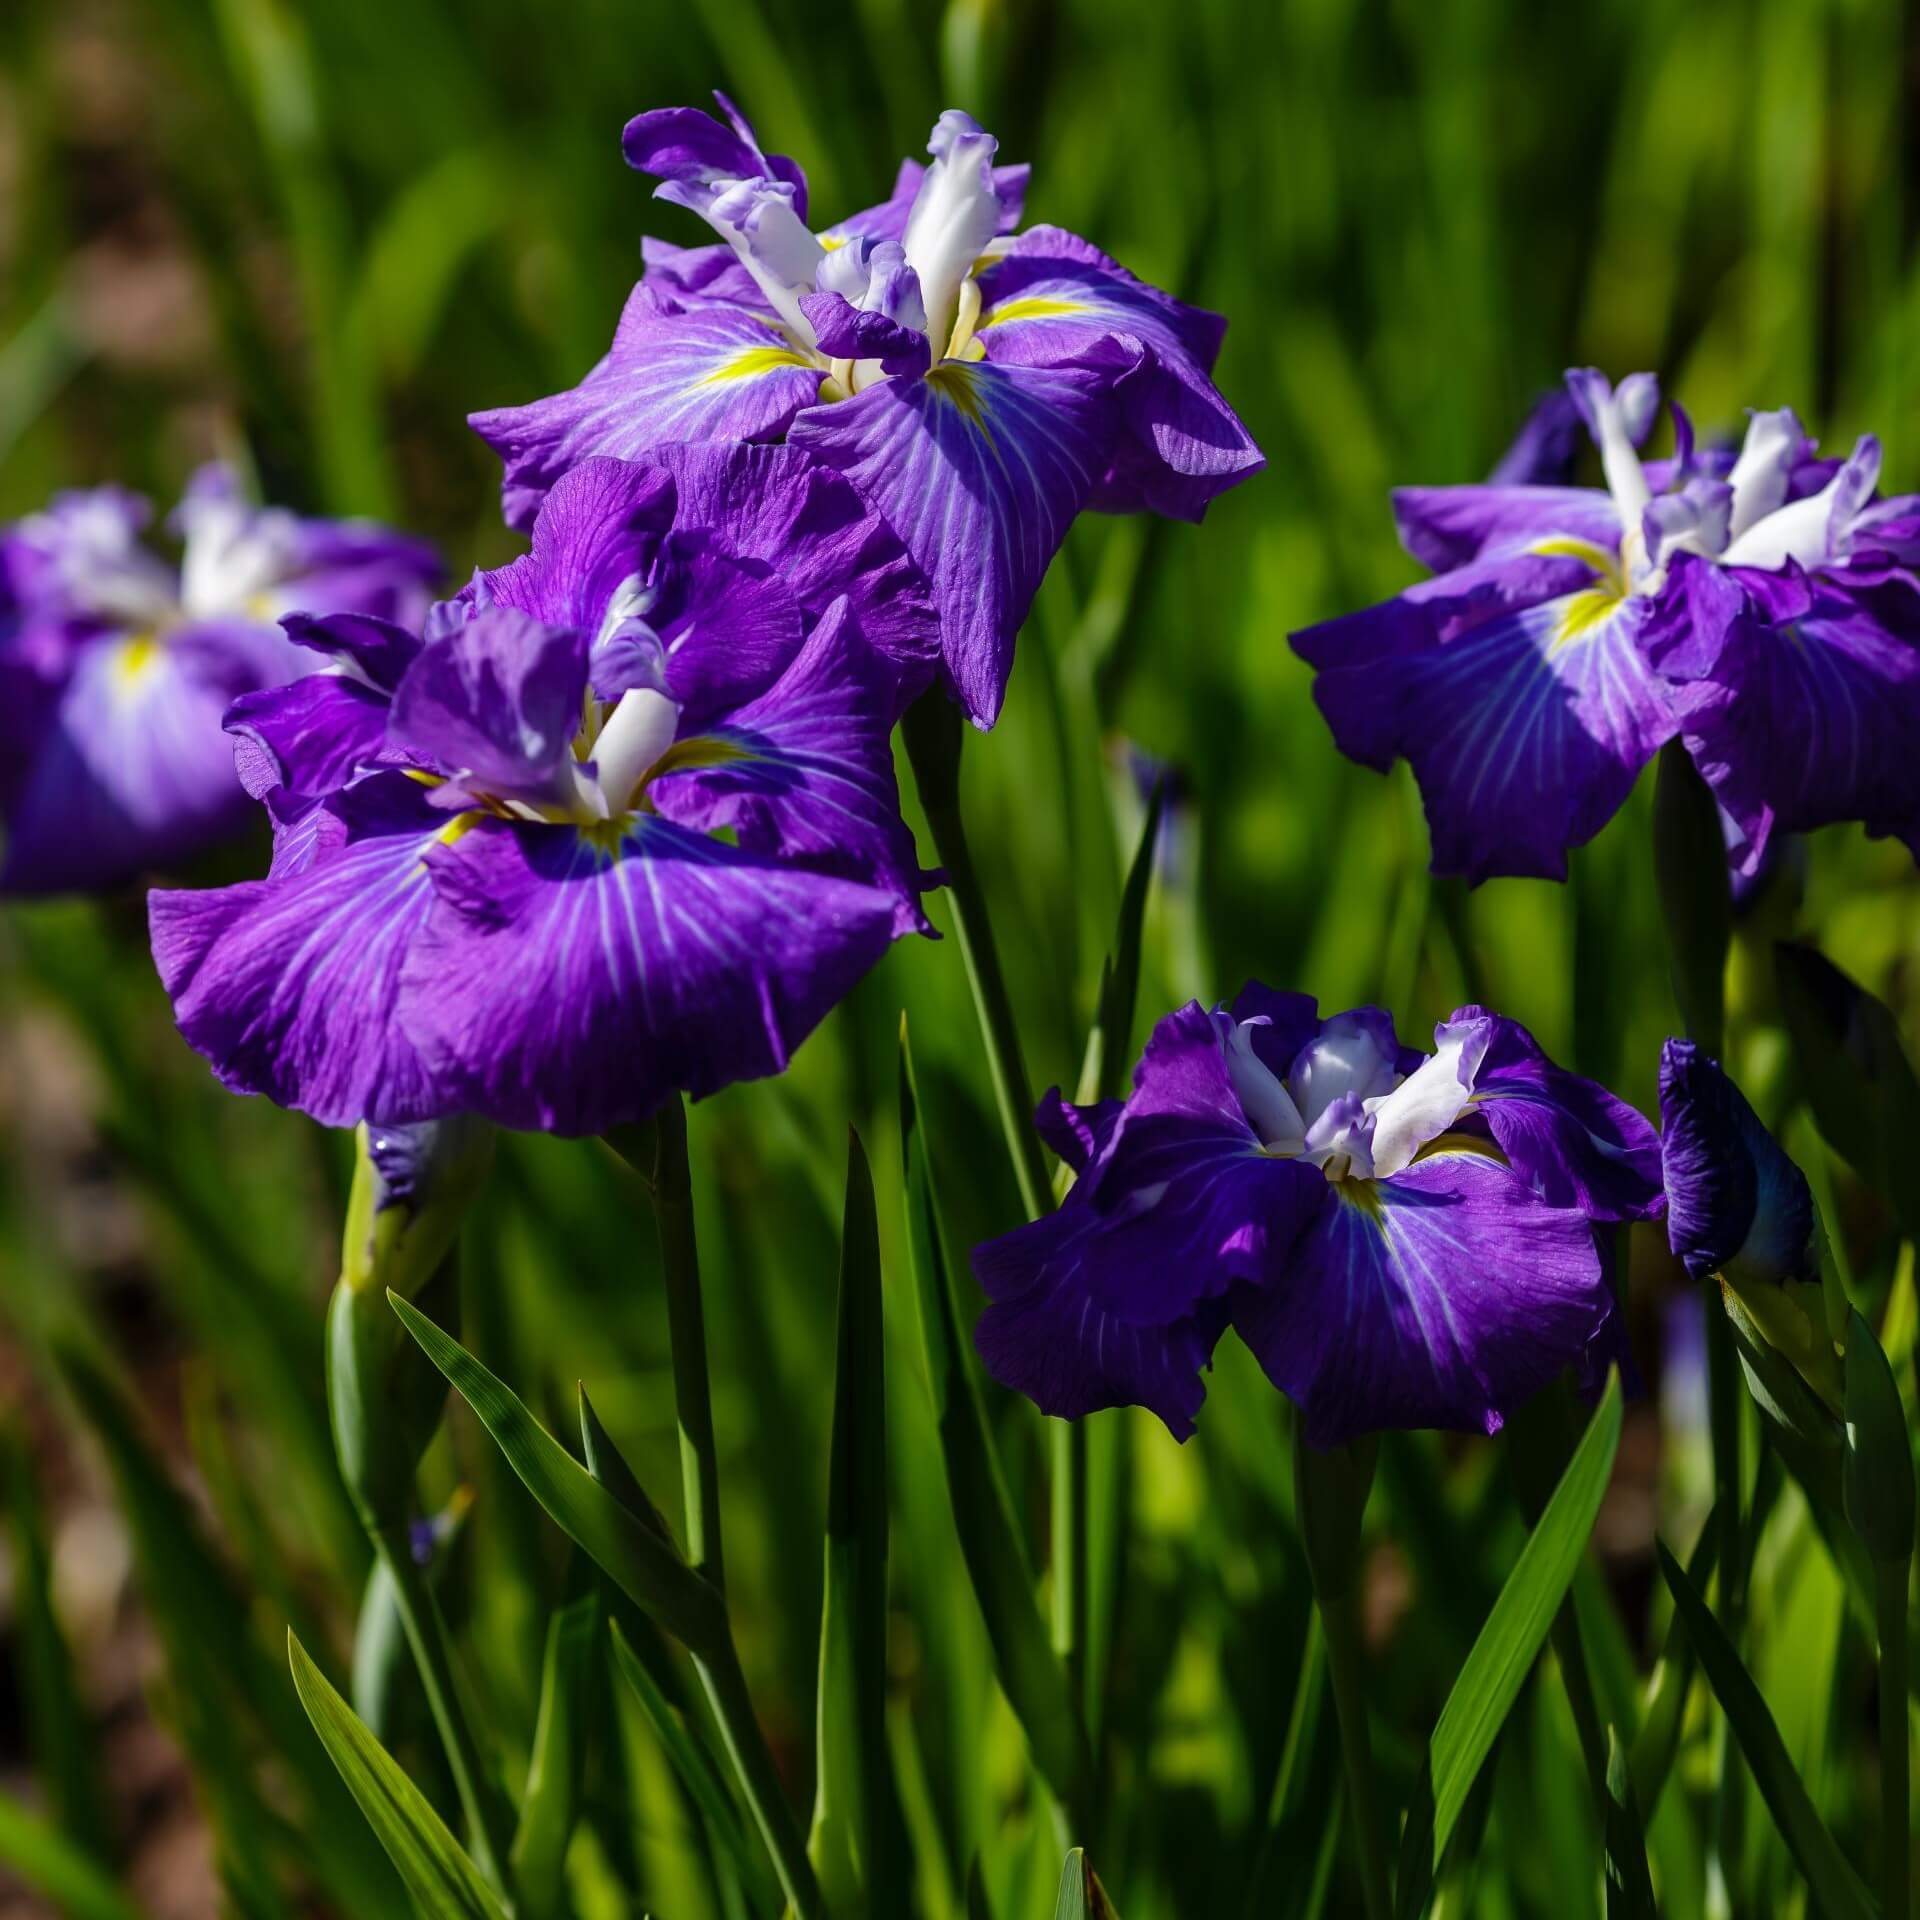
{"x":316,"y":237}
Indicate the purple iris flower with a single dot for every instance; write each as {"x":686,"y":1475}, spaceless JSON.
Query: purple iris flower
{"x":980,"y":386}
{"x":116,"y":667}
{"x":621,"y":821}
{"x":1403,"y":1239}
{"x":1762,"y":605}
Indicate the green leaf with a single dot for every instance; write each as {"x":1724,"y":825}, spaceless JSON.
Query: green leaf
{"x":1490,"y":1680}
{"x":44,"y":1858}
{"x":1030,"y":1672}
{"x":1696,"y":894}
{"x":648,"y":1569}
{"x":1663,"y":1710}
{"x":1629,"y":1887}
{"x":444,"y":1883}
{"x":1082,"y":1897}
{"x":1878,"y":1475}
{"x":1103,"y":1067}
{"x":1836,"y":1887}
{"x":698,"y":1774}
{"x":551,"y":1804}
{"x":857,"y":1843}
{"x":1856,"y":1074}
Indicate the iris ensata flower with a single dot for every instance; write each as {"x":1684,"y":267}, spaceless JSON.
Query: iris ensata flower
{"x":1402,"y":1239}
{"x":622,"y":821}
{"x":116,"y":666}
{"x":980,"y":386}
{"x":1760,"y":605}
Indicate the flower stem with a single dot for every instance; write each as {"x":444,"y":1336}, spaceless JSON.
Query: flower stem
{"x":670,"y":1180}
{"x":933,"y":731}
{"x":487,"y":1831}
{"x":1896,"y":1819}
{"x":1330,"y":1495}
{"x":1724,"y":1390}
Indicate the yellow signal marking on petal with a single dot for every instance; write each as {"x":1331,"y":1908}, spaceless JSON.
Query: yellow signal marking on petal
{"x":751,"y":363}
{"x":605,"y":836}
{"x":138,"y":652}
{"x":1605,"y":563}
{"x":953,"y":381}
{"x":1582,"y":612}
{"x":704,"y":750}
{"x":459,"y":827}
{"x":1363,"y":1196}
{"x":426,"y":779}
{"x":829,"y":241}
{"x":1033,"y":307}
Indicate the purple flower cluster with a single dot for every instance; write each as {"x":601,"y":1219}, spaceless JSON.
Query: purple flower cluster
{"x":116,"y":667}
{"x":1761,"y":605}
{"x":619,"y":819}
{"x":1402,"y":1239}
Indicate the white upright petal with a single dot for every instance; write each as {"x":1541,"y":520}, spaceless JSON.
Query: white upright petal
{"x":955,"y":215}
{"x":234,"y":555}
{"x":1774,"y":442}
{"x":1352,"y":1054}
{"x":1601,"y":407}
{"x":638,"y":731}
{"x":1431,"y":1098}
{"x":1262,"y":1094}
{"x":1808,"y":530}
{"x":757,"y":219}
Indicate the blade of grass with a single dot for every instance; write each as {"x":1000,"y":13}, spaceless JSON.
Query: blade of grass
{"x":45,"y":1858}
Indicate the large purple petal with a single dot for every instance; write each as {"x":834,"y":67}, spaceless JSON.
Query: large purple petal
{"x":1448,"y":527}
{"x":692,"y":150}
{"x":289,"y":986}
{"x":1054,"y":297}
{"x":981,"y":470}
{"x":709,"y":375}
{"x":498,"y":701}
{"x":806,"y":772}
{"x":1803,"y":721}
{"x":1525,"y":732}
{"x":310,"y":737}
{"x":1570,"y":1140}
{"x":379,"y":650}
{"x":1445,"y":1296}
{"x":133,"y":772}
{"x":570,"y":985}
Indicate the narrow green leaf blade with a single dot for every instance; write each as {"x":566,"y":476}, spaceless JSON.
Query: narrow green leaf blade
{"x":444,"y":1883}
{"x":1836,"y":1887}
{"x":1696,"y":896}
{"x":643,"y":1565}
{"x":857,"y":1843}
{"x":1629,"y":1886}
{"x":1082,"y":1897}
{"x":1514,"y":1631}
{"x":1029,"y":1670}
{"x":1103,"y":1068}
{"x":43,"y":1857}
{"x":560,"y":1742}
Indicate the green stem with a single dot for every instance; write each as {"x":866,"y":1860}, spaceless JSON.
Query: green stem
{"x":1069,"y":1447}
{"x":1330,"y":1496}
{"x":1724,"y":1391}
{"x":670,"y":1179}
{"x":1896,"y":1819}
{"x":671,"y":1183}
{"x":932,"y":731}
{"x":426,"y":1630}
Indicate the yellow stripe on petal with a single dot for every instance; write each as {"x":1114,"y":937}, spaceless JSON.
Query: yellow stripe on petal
{"x":135,"y":655}
{"x":1582,"y":613}
{"x":953,"y":381}
{"x":1605,"y":563}
{"x":751,"y":362}
{"x":1034,"y":307}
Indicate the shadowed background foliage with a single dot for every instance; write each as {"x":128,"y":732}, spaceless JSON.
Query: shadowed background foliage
{"x":313,"y":239}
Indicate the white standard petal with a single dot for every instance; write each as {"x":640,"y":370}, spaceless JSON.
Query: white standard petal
{"x":955,"y":215}
{"x":1263,"y":1097}
{"x":638,"y":731}
{"x":757,"y":219}
{"x":1605,"y":412}
{"x":1431,"y":1098}
{"x":1808,"y":530}
{"x":1351,"y":1054}
{"x":1774,"y":442}
{"x":234,"y":556}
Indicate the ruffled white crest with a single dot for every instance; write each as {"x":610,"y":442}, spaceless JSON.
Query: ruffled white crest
{"x":955,"y":215}
{"x":234,"y":555}
{"x":93,"y":544}
{"x":1432,"y":1097}
{"x":1809,"y":531}
{"x":1611,"y":416}
{"x":757,"y":219}
{"x":1351,"y":1054}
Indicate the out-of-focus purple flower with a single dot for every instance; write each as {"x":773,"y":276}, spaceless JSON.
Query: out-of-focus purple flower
{"x":1761,"y":605}
{"x":623,"y":821}
{"x":980,"y":387}
{"x":116,"y":667}
{"x":1403,"y":1239}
